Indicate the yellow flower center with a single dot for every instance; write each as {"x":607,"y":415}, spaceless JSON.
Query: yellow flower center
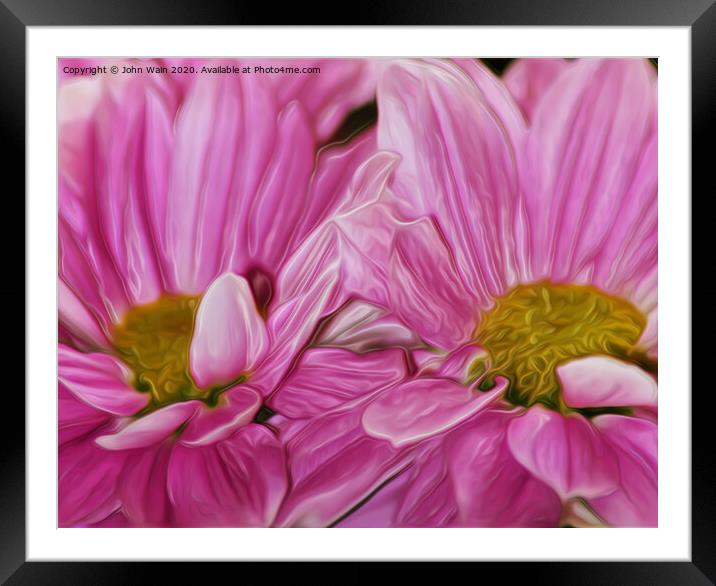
{"x":153,"y":340}
{"x":534,"y":328}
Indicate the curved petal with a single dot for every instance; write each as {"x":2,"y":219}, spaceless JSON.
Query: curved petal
{"x":143,"y":486}
{"x":235,"y":409}
{"x":496,"y":94}
{"x":326,"y":378}
{"x":237,"y":482}
{"x":469,"y":478}
{"x":600,"y":381}
{"x":362,"y":327}
{"x":457,"y":165}
{"x":565,"y":451}
{"x":635,"y":502}
{"x":75,"y":418}
{"x":150,"y":429}
{"x":529,"y":79}
{"x":426,"y":289}
{"x":230,"y":337}
{"x":339,"y":180}
{"x":209,"y":181}
{"x":341,"y":86}
{"x":457,"y":365}
{"x":119,"y":185}
{"x":284,"y":189}
{"x":417,"y":409}
{"x":87,"y":483}
{"x":78,"y":320}
{"x":99,"y":380}
{"x":589,"y":175}
{"x":491,"y":488}
{"x":308,"y":291}
{"x":334,"y":465}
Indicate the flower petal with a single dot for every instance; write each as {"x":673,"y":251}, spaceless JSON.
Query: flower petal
{"x":143,"y":486}
{"x":87,"y":483}
{"x":230,"y":337}
{"x":457,"y":165}
{"x":341,"y":86}
{"x":326,"y":378}
{"x":491,"y":488}
{"x":334,"y":465}
{"x":529,"y":79}
{"x":214,"y":172}
{"x":236,"y":408}
{"x":426,"y":289}
{"x":150,"y":429}
{"x":362,"y":327}
{"x":589,"y":175}
{"x":76,"y":418}
{"x":237,"y":482}
{"x":469,"y":478}
{"x":417,"y":409}
{"x":119,"y":185}
{"x":99,"y":380}
{"x":79,"y":321}
{"x":565,"y":451}
{"x":635,"y":502}
{"x":600,"y":381}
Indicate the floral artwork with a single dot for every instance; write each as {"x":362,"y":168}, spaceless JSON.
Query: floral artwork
{"x":357,"y":293}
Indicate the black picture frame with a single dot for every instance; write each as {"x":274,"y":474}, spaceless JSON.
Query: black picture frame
{"x":17,"y":15}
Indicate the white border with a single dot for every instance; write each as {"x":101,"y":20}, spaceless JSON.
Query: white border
{"x":671,"y":541}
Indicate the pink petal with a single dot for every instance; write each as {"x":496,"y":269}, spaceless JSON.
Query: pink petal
{"x":285,"y":187}
{"x":237,"y":482}
{"x":99,"y":380}
{"x":84,"y":263}
{"x":467,"y":478}
{"x":496,"y":93}
{"x":457,"y":164}
{"x":456,"y":366}
{"x":199,"y":203}
{"x":143,"y":486}
{"x":417,"y":409}
{"x":76,"y":418}
{"x":426,"y":289}
{"x":308,"y":291}
{"x":529,"y":79}
{"x":235,"y":409}
{"x":635,"y":502}
{"x":326,"y":378}
{"x":338,"y":180}
{"x":600,"y":381}
{"x":87,"y":482}
{"x":150,"y":429}
{"x":119,"y":186}
{"x":589,"y":175}
{"x":565,"y":451}
{"x":362,"y":327}
{"x":341,"y":86}
{"x":333,"y":466}
{"x":491,"y":488}
{"x":78,"y":320}
{"x":230,"y":337}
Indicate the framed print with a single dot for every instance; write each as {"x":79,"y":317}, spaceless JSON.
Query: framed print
{"x":293,"y":296}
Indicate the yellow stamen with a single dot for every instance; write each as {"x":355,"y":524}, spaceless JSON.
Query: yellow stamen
{"x":534,"y":328}
{"x":153,"y":340}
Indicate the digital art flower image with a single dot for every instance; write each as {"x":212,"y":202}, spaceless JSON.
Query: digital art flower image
{"x":357,"y":293}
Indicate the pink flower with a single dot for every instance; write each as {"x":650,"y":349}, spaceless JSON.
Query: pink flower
{"x":517,"y":237}
{"x":182,"y":299}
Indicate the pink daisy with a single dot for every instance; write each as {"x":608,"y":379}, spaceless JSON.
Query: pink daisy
{"x":516,"y":235}
{"x":182,"y":299}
